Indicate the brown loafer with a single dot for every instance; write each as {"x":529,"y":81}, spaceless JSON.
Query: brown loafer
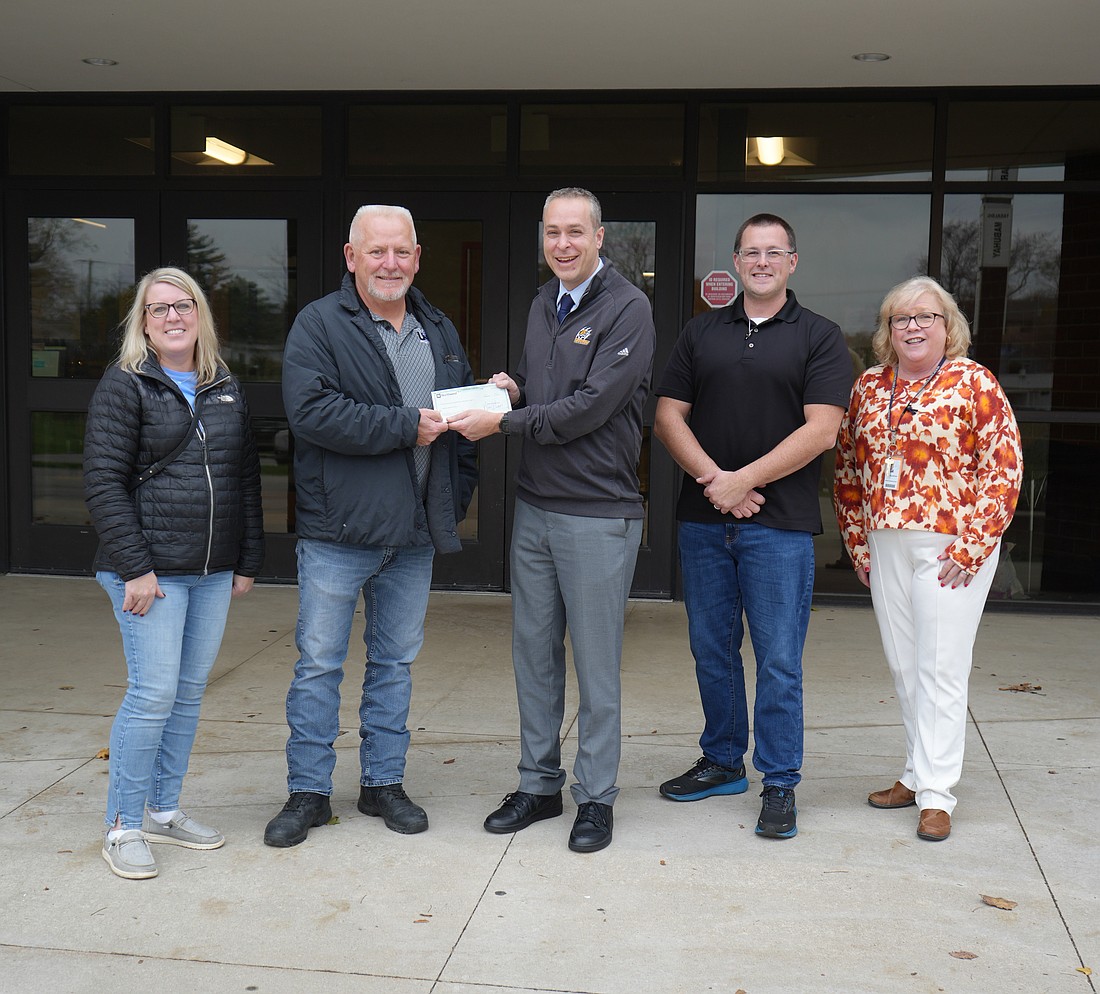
{"x":898,"y":796}
{"x":934,"y":825}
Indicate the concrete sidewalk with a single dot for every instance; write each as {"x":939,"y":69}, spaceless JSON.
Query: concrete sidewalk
{"x":686,"y":899}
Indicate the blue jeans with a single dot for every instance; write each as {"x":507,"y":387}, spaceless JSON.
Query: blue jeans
{"x":733,"y":572}
{"x":395,"y":583}
{"x":169,"y":654}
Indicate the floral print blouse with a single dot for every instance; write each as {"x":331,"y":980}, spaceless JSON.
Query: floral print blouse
{"x":959,"y":463}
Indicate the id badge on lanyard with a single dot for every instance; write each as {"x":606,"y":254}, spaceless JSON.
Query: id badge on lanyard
{"x":891,"y":473}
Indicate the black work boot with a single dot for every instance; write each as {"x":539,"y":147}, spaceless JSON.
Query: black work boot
{"x":301,"y":812}
{"x":392,"y":805}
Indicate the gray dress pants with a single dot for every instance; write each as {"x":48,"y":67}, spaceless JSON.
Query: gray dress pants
{"x":576,"y":572}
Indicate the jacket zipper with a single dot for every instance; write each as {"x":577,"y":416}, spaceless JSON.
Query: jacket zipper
{"x":201,"y":431}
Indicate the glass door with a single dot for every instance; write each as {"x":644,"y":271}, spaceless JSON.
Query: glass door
{"x":72,"y":261}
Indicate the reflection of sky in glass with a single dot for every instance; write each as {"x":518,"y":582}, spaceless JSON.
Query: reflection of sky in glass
{"x":852,"y":248}
{"x":1031,"y":212}
{"x":103,"y":254}
{"x":254,"y":248}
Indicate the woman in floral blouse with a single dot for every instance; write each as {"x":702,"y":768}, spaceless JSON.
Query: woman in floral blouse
{"x":928,"y":472}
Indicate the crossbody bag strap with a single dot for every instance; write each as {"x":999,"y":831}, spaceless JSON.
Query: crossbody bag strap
{"x":149,"y":472}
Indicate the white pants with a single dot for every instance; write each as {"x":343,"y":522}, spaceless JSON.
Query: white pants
{"x":928,"y":636}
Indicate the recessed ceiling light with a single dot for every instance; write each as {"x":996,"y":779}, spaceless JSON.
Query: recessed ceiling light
{"x":100,"y":62}
{"x":871,"y":57}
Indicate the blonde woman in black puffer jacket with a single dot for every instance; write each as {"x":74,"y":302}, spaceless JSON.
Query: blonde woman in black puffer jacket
{"x":172,"y":481}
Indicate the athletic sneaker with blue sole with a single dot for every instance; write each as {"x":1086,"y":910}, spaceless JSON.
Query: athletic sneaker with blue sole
{"x":706,"y":779}
{"x":778,"y":814}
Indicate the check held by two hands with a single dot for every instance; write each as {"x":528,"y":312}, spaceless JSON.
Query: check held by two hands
{"x":475,"y":411}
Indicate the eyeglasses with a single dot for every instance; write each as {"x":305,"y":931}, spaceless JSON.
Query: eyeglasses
{"x":753,"y":255}
{"x":899,"y":322}
{"x":159,"y":309}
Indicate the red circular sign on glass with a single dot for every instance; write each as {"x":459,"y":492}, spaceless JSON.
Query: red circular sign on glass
{"x":718,"y":287}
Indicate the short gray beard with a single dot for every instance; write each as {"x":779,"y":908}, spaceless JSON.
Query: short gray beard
{"x":387,"y":295}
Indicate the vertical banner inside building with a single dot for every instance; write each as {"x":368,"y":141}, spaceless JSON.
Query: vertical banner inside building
{"x":996,"y":232}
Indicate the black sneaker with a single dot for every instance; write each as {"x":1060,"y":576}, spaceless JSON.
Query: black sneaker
{"x":705,"y":779}
{"x":777,"y":814}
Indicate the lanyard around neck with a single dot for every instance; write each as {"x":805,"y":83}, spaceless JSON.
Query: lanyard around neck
{"x":909,"y":406}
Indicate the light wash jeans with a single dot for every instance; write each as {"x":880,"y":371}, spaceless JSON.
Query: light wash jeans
{"x":733,"y":572}
{"x":394,"y":583}
{"x":169,"y":655}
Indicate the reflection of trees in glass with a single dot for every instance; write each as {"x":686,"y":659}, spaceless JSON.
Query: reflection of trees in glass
{"x":78,"y":297}
{"x":1033,"y":268}
{"x":1012,"y":311}
{"x":52,"y":242}
{"x":205,"y":261}
{"x":251,"y":325}
{"x":630,"y":245}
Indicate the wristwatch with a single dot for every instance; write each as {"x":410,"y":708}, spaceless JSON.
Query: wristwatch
{"x":503,"y":424}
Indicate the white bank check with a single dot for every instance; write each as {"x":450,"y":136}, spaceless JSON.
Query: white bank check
{"x":479,"y":397}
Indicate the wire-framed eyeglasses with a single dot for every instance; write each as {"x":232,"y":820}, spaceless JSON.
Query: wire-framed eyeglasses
{"x":755,"y":255}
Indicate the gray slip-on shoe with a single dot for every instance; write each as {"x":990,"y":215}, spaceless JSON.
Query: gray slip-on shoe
{"x":129,"y":856}
{"x":184,"y":831}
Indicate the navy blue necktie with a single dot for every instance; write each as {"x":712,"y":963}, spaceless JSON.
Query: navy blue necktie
{"x":565,"y":305}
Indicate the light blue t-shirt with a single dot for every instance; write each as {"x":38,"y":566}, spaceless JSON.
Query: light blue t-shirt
{"x":187,"y":382}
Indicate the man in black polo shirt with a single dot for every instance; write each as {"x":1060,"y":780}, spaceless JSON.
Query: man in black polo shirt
{"x":751,"y":397}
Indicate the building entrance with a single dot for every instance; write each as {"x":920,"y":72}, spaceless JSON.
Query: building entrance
{"x":261,"y":256}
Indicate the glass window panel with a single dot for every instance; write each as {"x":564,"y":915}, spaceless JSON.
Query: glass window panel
{"x":1051,"y":547}
{"x":852,"y":248}
{"x":248,"y":268}
{"x":1025,"y":140}
{"x":451,"y":278}
{"x":1023,"y":270}
{"x":246,"y":141}
{"x":428,"y":139}
{"x":602,"y":139}
{"x":815,"y":141}
{"x":276,"y":446}
{"x":81,"y":141}
{"x":57,"y":469}
{"x":81,"y":274}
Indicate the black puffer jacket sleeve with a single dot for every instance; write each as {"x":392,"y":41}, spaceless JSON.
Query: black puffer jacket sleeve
{"x":112,"y":443}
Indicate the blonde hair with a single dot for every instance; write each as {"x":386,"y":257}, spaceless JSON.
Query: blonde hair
{"x":135,"y":347}
{"x":905,"y":293}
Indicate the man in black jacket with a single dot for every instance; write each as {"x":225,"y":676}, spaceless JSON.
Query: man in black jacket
{"x":579,"y":391}
{"x":381,"y":486}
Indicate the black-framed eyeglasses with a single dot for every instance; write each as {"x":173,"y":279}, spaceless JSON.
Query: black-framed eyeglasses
{"x":159,"y":309}
{"x":899,"y":322}
{"x":754,"y":255}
